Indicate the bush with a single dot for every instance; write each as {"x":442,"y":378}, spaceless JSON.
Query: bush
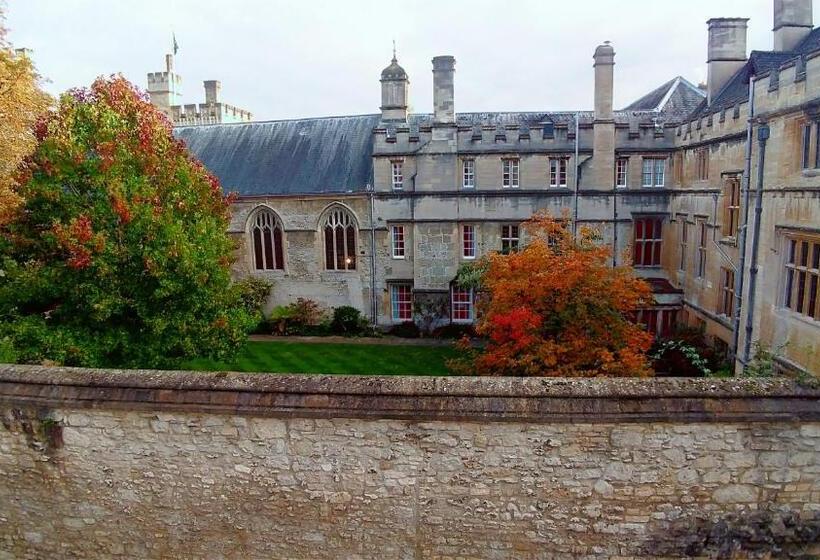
{"x":304,"y":317}
{"x":454,"y":331}
{"x":687,"y":354}
{"x":8,"y":355}
{"x":348,"y":321}
{"x":408,"y":329}
{"x":254,"y":293}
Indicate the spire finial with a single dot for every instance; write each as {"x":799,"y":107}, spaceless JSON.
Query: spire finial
{"x":394,"y":50}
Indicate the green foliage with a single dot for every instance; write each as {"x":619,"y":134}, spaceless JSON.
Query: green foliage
{"x":348,"y":321}
{"x":455,"y":331}
{"x":470,"y":274}
{"x":763,"y":361}
{"x":303,"y":317}
{"x":8,"y":355}
{"x":119,"y":256}
{"x":687,"y":351}
{"x":254,"y":292}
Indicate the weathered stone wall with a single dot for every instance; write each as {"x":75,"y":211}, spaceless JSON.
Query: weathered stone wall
{"x":100,"y":464}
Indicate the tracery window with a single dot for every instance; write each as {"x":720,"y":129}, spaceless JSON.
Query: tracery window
{"x":340,"y":240}
{"x":266,"y":234}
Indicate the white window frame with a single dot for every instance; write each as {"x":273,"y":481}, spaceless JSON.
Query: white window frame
{"x":468,"y":305}
{"x":621,"y":171}
{"x":397,"y":242}
{"x":653,"y":172}
{"x":397,"y":175}
{"x":395,"y":302}
{"x":468,"y":173}
{"x":511,"y":234}
{"x":509,"y":173}
{"x":468,"y":241}
{"x":558,"y":171}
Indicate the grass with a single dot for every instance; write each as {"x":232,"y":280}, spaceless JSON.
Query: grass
{"x":355,"y":359}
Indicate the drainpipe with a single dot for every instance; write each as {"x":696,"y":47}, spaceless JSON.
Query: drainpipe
{"x":741,"y":242}
{"x":577,"y":172}
{"x":762,"y":136}
{"x":373,"y":307}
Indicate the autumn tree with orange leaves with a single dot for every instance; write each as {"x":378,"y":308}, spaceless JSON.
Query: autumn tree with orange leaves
{"x":557,"y":308}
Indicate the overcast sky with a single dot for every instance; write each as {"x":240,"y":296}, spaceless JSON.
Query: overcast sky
{"x":287,"y":59}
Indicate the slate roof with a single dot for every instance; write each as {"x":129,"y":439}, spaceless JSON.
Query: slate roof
{"x":673,"y":101}
{"x":323,"y":155}
{"x":736,"y":89}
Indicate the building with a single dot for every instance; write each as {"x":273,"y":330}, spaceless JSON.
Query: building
{"x":379,"y":211}
{"x":165,"y":90}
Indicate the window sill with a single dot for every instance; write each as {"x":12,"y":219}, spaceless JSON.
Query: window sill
{"x":794,"y":315}
{"x":730,"y":240}
{"x":399,"y":258}
{"x":810,"y":172}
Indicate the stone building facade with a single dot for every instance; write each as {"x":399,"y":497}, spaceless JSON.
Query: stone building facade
{"x":379,"y":211}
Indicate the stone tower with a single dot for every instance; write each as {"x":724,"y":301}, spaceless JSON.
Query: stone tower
{"x":395,"y":89}
{"x":165,"y":87}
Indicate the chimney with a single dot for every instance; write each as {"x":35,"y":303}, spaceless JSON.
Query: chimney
{"x":792,"y":22}
{"x":444,"y":68}
{"x":604,"y":65}
{"x":726,"y":52}
{"x":602,"y":165}
{"x":212,"y":88}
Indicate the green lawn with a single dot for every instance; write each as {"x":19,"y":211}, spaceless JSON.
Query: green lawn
{"x":360,"y":359}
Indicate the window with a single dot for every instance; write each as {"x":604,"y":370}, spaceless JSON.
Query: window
{"x":660,"y":322}
{"x":401,"y":302}
{"x":468,"y":241}
{"x":266,"y":235}
{"x":398,"y":175}
{"x":653,"y":172}
{"x":461,"y":305}
{"x":397,"y":241}
{"x":468,"y":173}
{"x":802,"y":275}
{"x":817,"y":145}
{"x":702,"y":164}
{"x":731,"y":206}
{"x":648,"y":238}
{"x":509,"y":239}
{"x":558,"y":172}
{"x":684,"y":241}
{"x":703,"y":231}
{"x":509,"y":173}
{"x":726,"y":301}
{"x":340,"y":240}
{"x":621,"y":168}
{"x":806,"y":145}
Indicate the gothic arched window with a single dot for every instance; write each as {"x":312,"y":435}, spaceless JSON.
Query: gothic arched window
{"x":266,"y":236}
{"x":340,"y":240}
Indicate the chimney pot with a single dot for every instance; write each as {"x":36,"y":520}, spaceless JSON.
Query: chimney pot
{"x":726,"y":52}
{"x":212,"y":89}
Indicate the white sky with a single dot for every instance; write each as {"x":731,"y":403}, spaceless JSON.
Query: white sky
{"x":285,"y":59}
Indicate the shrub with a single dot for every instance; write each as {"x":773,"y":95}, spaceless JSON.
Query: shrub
{"x":408,"y":329}
{"x":348,"y":321}
{"x":454,"y":331}
{"x":254,"y":293}
{"x":303,"y":317}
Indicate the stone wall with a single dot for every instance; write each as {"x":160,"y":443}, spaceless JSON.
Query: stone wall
{"x":117,"y":464}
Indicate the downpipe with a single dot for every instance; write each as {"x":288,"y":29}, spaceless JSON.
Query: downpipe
{"x":762,"y":137}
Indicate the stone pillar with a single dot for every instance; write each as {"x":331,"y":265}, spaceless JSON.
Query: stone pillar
{"x":726,"y":52}
{"x":602,"y":166}
{"x":792,"y":22}
{"x":212,"y":89}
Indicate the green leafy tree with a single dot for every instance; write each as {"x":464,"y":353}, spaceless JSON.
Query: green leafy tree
{"x":119,"y":255}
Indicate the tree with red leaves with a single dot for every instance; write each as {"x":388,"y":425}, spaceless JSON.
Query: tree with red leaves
{"x":119,"y":255}
{"x":555,"y":308}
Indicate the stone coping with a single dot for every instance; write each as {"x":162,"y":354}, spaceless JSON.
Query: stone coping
{"x":410,"y":397}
